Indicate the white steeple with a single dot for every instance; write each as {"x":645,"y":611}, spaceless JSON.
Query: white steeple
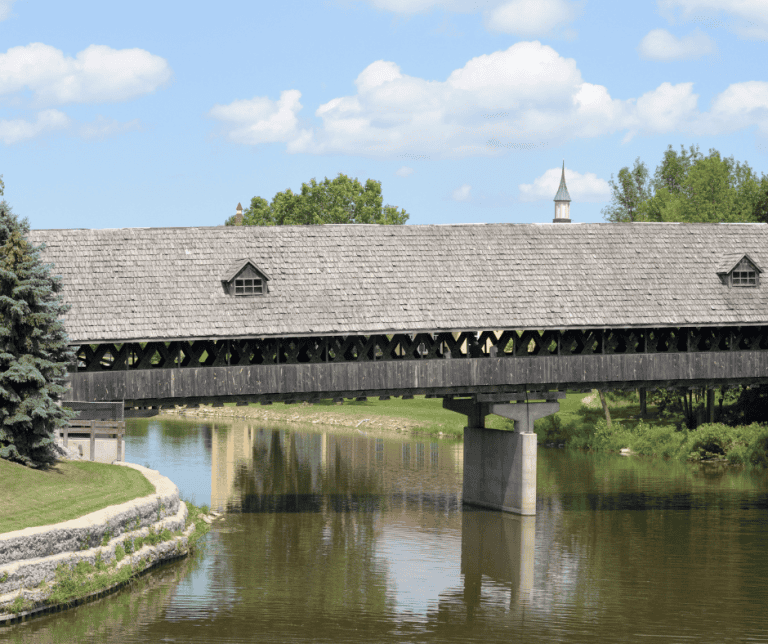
{"x":562,"y":202}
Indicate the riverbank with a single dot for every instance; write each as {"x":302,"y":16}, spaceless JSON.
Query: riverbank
{"x":49,"y":567}
{"x":580,"y":424}
{"x":416,"y":415}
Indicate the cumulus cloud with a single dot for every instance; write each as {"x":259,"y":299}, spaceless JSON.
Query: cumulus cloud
{"x":5,"y":8}
{"x":748,"y":18}
{"x":523,"y":98}
{"x":741,"y":105}
{"x":529,"y":17}
{"x":661,"y":45}
{"x":405,"y":171}
{"x":95,"y":75}
{"x":581,"y":187}
{"x":461,"y":193}
{"x":262,"y":120}
{"x":16,"y":130}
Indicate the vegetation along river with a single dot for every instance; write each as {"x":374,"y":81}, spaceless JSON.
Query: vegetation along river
{"x":361,"y":537}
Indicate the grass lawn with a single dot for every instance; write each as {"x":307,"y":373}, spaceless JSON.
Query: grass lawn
{"x":68,"y":490}
{"x":428,"y":413}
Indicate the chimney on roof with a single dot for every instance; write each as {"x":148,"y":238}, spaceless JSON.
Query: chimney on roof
{"x":239,"y":215}
{"x":562,"y":202}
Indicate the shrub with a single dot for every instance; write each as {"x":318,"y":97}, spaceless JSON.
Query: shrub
{"x":658,"y":440}
{"x":711,"y":440}
{"x":552,"y":430}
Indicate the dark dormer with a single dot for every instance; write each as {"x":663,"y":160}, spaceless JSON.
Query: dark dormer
{"x":244,"y":278}
{"x":739,"y":270}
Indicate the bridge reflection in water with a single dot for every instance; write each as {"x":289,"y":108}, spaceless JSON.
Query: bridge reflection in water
{"x":281,"y":472}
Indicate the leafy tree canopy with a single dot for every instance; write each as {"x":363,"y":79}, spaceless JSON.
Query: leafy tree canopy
{"x":34,"y":355}
{"x":338,"y":201}
{"x":688,"y":186}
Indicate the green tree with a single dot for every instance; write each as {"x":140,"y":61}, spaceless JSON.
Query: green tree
{"x":34,"y":355}
{"x":689,"y":187}
{"x":338,"y":201}
{"x":628,"y":193}
{"x":761,"y":201}
{"x":674,"y":167}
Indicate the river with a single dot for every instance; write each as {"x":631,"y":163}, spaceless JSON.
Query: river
{"x":361,"y":537}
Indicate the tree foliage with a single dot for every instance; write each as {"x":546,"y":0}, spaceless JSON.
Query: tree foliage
{"x":338,"y":201}
{"x":689,"y":187}
{"x":631,"y":189}
{"x":34,"y":355}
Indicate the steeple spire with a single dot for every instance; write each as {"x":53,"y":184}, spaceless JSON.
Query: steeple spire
{"x":562,"y":192}
{"x":562,"y":201}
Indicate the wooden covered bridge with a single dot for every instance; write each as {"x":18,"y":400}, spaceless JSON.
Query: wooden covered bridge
{"x":480,"y":314}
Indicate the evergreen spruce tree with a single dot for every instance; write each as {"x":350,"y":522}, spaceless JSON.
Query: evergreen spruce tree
{"x":34,"y":355}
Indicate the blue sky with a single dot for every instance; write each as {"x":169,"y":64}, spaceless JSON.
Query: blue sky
{"x":169,"y":113}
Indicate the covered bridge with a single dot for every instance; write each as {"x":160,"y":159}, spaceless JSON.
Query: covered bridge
{"x":572,"y":305}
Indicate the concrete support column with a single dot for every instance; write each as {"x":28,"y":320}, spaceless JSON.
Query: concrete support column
{"x":643,"y":402}
{"x":499,"y":465}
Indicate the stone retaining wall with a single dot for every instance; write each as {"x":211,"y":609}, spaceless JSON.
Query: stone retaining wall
{"x":30,"y":556}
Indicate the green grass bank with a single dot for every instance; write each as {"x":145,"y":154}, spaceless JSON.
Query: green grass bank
{"x":64,"y":491}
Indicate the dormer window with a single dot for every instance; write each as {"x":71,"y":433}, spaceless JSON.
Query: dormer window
{"x":248,"y":286}
{"x":740,"y":270}
{"x":245,"y":279}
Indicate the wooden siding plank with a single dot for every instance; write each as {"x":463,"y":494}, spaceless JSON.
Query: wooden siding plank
{"x":463,"y":375}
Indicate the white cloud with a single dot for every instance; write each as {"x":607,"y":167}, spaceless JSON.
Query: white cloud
{"x":668,"y":108}
{"x":461,"y":193}
{"x":581,"y":187}
{"x":750,"y":16}
{"x":262,"y":120}
{"x":13,"y":131}
{"x":741,"y":105}
{"x":102,"y":127}
{"x":405,"y":171}
{"x":661,"y":45}
{"x":529,"y":17}
{"x":5,"y":8}
{"x":523,"y":98}
{"x":95,"y":75}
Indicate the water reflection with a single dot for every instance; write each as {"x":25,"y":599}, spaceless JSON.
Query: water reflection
{"x":500,"y":547}
{"x":345,"y":537}
{"x":260,"y":470}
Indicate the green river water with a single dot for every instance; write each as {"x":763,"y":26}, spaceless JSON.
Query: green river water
{"x":361,"y":537}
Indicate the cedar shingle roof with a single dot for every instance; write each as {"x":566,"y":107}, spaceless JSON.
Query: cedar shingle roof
{"x":165,"y":283}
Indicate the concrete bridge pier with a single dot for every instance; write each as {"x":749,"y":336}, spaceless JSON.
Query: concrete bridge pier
{"x":500,"y":465}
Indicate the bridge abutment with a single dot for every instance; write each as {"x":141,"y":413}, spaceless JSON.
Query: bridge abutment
{"x":500,"y":465}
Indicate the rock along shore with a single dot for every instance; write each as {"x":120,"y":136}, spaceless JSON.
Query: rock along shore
{"x":322,"y":418}
{"x":30,"y":557}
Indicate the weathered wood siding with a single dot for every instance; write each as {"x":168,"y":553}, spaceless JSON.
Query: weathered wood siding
{"x":438,"y":377}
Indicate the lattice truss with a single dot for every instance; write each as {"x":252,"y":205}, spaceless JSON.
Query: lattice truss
{"x":415,"y":346}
